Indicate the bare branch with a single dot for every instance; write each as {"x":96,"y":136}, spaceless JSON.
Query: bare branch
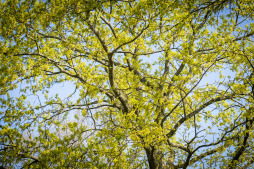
{"x":183,"y":119}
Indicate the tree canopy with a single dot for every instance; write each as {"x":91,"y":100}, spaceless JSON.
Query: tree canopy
{"x":126,"y":84}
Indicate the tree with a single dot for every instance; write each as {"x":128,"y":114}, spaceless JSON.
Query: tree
{"x":151,"y":83}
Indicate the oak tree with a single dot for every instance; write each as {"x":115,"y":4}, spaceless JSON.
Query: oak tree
{"x":126,"y":84}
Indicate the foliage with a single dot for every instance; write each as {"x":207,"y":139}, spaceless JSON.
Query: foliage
{"x":147,"y":83}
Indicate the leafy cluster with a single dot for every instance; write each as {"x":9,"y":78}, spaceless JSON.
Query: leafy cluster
{"x":126,"y":83}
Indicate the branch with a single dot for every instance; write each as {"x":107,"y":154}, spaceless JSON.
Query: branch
{"x":178,"y":146}
{"x":51,"y":36}
{"x":210,"y":152}
{"x":110,"y":26}
{"x":205,"y":19}
{"x":136,"y":72}
{"x":203,"y":155}
{"x":236,"y":39}
{"x":183,"y":119}
{"x":141,"y":32}
{"x":148,"y":53}
{"x":241,"y":150}
{"x":182,"y":99}
{"x":97,"y":34}
{"x":179,"y":70}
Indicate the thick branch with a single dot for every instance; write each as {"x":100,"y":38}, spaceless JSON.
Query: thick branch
{"x":97,"y":34}
{"x":241,"y":150}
